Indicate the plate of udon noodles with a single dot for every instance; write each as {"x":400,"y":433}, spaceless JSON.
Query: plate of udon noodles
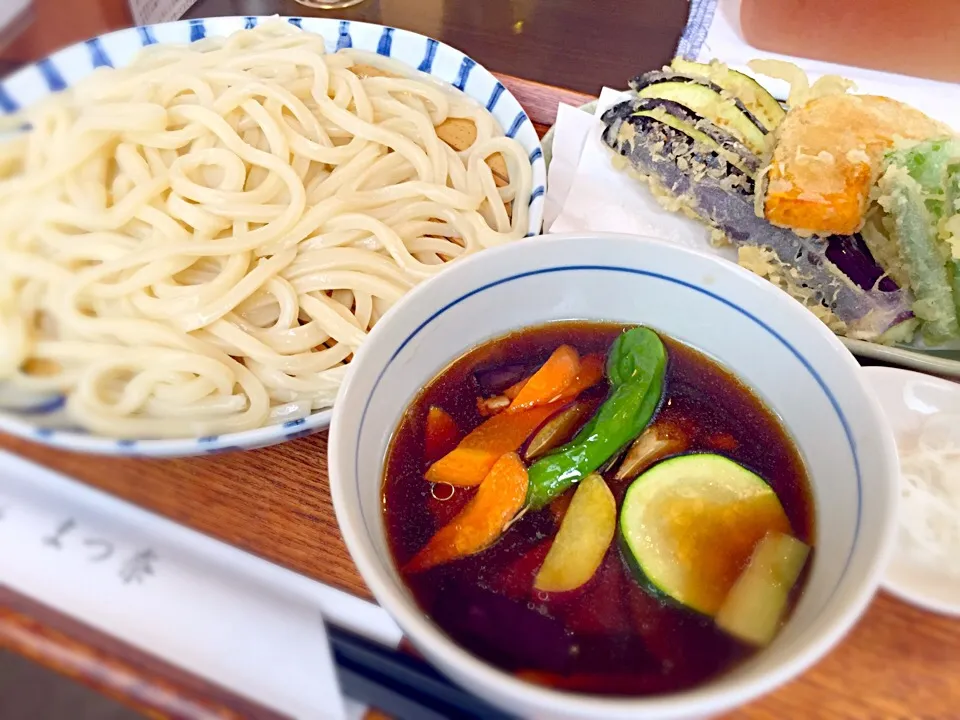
{"x":200,"y":221}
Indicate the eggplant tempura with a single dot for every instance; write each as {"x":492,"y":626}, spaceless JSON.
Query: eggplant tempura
{"x":850,"y":203}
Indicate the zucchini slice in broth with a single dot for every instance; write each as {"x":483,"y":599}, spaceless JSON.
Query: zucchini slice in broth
{"x":690,"y":524}
{"x":753,"y":610}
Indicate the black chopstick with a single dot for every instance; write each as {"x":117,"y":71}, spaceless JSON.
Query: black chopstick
{"x":397,"y":683}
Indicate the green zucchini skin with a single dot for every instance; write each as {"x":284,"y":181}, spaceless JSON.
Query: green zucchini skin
{"x":764,"y":106}
{"x":710,"y":137}
{"x":646,"y":584}
{"x":716,"y":478}
{"x":699,"y":94}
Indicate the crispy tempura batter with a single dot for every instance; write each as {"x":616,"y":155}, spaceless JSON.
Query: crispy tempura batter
{"x":827,"y":157}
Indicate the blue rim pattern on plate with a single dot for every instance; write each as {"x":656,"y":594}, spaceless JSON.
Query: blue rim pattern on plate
{"x":658,"y":276}
{"x":46,"y":420}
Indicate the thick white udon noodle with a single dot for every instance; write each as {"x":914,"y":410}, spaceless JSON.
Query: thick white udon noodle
{"x":197,"y":243}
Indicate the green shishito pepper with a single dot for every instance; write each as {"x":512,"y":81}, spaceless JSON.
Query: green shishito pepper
{"x":635,"y":369}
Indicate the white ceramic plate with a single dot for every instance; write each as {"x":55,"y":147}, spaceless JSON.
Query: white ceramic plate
{"x":907,"y":398}
{"x":45,"y":420}
{"x":939,"y":362}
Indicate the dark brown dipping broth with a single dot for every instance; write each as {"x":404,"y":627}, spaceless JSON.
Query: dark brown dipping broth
{"x":609,"y":636}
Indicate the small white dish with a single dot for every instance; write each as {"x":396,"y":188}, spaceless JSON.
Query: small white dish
{"x":907,"y":398}
{"x":769,"y":340}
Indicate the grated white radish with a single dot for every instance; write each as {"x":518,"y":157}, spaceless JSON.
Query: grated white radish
{"x":930,"y":491}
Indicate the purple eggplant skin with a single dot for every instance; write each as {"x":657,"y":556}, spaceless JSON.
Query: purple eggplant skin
{"x":696,"y":156}
{"x":495,"y":380}
{"x":660,"y":76}
{"x":851,"y":254}
{"x":724,"y":139}
{"x":867,"y":312}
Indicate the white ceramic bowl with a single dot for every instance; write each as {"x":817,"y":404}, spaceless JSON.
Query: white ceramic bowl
{"x":770,"y":341}
{"x":43,"y":419}
{"x":908,"y":398}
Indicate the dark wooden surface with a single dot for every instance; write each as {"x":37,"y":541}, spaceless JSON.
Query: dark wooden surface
{"x":898,"y":662}
{"x":577,"y":44}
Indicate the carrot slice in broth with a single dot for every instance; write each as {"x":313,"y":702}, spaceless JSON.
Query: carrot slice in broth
{"x":472,"y":459}
{"x":462,"y":467}
{"x":591,"y":372}
{"x":548,"y":383}
{"x":514,"y":390}
{"x":441,"y":435}
{"x":498,"y":499}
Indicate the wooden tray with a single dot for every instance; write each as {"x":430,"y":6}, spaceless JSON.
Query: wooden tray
{"x":275,"y":503}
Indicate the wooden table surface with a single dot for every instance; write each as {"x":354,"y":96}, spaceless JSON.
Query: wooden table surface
{"x":275,"y":502}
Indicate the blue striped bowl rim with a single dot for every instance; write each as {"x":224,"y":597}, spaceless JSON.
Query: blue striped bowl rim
{"x":64,"y":68}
